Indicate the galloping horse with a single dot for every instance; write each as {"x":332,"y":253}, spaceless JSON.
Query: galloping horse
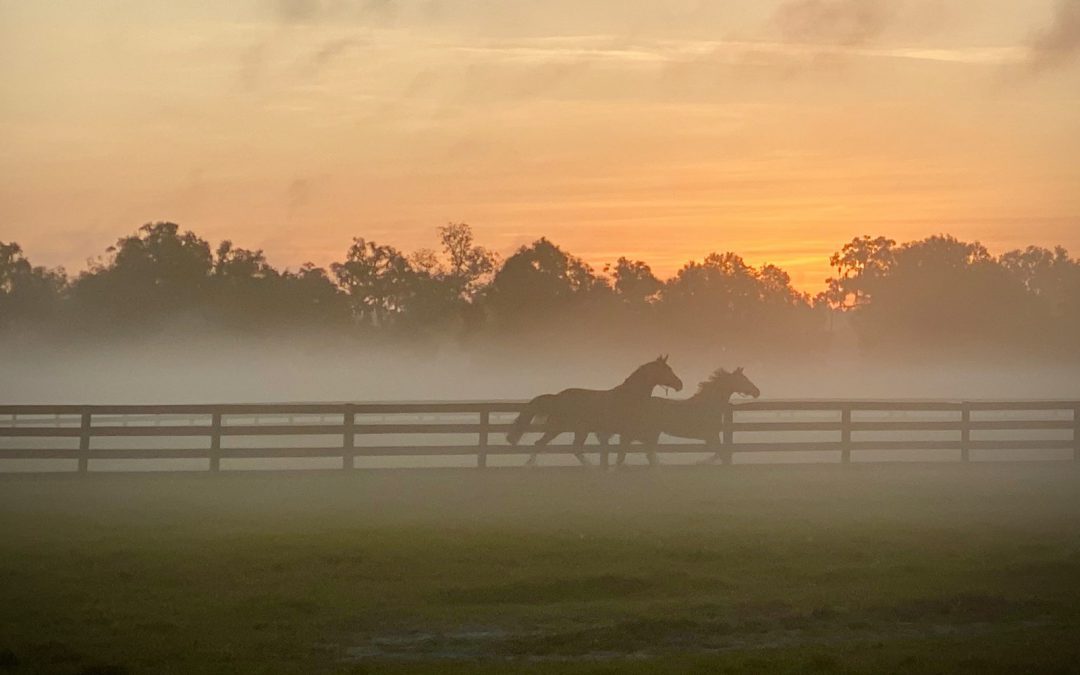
{"x":603,"y":411}
{"x":700,"y":416}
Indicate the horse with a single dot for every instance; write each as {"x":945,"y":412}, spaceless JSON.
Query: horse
{"x":602,"y":411}
{"x":699,"y":417}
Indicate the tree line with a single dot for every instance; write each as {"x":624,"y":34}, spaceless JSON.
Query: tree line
{"x":934,"y":292}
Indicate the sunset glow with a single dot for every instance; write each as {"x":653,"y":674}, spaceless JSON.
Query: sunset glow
{"x":656,"y":130}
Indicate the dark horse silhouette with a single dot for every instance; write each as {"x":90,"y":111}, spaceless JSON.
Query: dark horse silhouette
{"x":700,"y":416}
{"x":603,"y":411}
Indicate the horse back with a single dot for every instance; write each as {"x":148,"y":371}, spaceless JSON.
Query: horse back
{"x":599,"y":409}
{"x":681,"y":418}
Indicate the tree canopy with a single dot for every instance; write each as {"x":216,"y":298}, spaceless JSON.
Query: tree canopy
{"x":933,"y":292}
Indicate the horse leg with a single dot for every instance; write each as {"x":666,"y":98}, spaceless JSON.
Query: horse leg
{"x":603,"y":439}
{"x":579,"y":442}
{"x":548,"y":436}
{"x":712,"y":443}
{"x":624,"y":444}
{"x":651,"y":444}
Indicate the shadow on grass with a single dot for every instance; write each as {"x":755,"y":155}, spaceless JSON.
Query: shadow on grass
{"x":55,"y":656}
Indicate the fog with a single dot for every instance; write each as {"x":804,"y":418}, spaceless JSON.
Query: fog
{"x":206,"y":369}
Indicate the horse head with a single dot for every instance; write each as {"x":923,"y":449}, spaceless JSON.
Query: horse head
{"x":724,"y":384}
{"x":742,"y":385}
{"x":656,"y":373}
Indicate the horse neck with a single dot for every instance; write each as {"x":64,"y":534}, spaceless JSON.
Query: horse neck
{"x":638,"y":384}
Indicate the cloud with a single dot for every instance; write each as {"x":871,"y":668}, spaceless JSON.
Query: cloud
{"x":299,"y":22}
{"x":329,"y":52}
{"x":312,"y":11}
{"x":606,"y":49}
{"x":832,"y":22}
{"x":303,"y":11}
{"x":298,"y":196}
{"x":1059,"y":43}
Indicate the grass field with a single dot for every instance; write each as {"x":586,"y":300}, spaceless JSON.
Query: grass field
{"x":813,"y":568}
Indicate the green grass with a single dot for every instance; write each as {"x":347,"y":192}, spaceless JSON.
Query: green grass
{"x":921,"y":568}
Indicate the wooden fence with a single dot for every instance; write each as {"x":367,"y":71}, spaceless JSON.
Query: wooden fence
{"x":840,"y":427}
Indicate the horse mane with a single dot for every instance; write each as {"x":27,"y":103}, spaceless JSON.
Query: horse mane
{"x":718,"y":378}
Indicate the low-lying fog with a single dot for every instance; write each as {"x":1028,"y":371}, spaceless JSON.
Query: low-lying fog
{"x":231,"y":370}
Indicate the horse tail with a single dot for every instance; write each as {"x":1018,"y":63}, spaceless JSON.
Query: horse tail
{"x":535,"y":407}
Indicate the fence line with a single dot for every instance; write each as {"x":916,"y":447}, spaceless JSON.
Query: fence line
{"x":853,"y":426}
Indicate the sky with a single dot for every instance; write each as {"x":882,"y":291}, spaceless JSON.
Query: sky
{"x":657,"y":129}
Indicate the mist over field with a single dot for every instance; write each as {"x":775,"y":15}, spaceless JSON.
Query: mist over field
{"x":204,"y":369}
{"x":166,"y":317}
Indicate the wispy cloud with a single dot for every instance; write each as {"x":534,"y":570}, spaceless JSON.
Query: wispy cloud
{"x":596,"y":48}
{"x":832,"y":22}
{"x":295,"y":11}
{"x":303,"y":22}
{"x":330,"y":51}
{"x":1058,"y":44}
{"x":313,"y":11}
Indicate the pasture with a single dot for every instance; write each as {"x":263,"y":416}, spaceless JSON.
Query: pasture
{"x":954,"y":567}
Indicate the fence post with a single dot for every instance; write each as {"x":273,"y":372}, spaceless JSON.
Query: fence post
{"x":845,"y":434}
{"x":348,"y":459}
{"x":1076,"y":433}
{"x":481,"y":456}
{"x":729,"y":434}
{"x":215,"y":442}
{"x":84,"y":442}
{"x":965,"y":432}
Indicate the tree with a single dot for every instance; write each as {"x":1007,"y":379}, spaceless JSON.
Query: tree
{"x":722,"y":284}
{"x":725,"y":299}
{"x":245,"y":289}
{"x":859,"y":265}
{"x":469,"y":266}
{"x":27,"y":293}
{"x":539,"y":281}
{"x":154,"y":274}
{"x":379,"y":281}
{"x":634,"y":282}
{"x":309,"y":297}
{"x":1048,"y":275}
{"x":774,"y":288}
{"x":940,"y":291}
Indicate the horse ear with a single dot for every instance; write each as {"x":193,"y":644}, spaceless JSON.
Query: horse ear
{"x":738,"y":371}
{"x":665,"y":358}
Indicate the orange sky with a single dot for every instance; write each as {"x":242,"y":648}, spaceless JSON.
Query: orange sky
{"x":661,"y":130}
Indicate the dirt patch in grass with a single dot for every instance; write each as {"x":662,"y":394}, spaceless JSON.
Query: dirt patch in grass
{"x":744,"y":628}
